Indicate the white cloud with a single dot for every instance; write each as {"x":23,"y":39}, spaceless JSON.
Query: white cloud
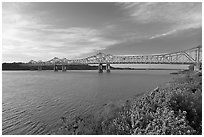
{"x":24,"y":35}
{"x":163,"y":34}
{"x":176,"y":16}
{"x":164,"y":12}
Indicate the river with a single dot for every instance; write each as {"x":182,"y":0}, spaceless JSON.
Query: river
{"x":34,"y":101}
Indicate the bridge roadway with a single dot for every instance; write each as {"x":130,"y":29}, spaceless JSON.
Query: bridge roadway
{"x":191,"y":56}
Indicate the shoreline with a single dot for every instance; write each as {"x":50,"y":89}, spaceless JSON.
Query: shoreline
{"x":97,"y":69}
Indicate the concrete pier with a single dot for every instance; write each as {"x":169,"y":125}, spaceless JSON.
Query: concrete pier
{"x":198,"y":66}
{"x":39,"y":68}
{"x":55,"y":68}
{"x":100,"y":68}
{"x":64,"y":68}
{"x":108,"y":67}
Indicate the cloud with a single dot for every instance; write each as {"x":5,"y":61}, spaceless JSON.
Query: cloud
{"x":164,"y":12}
{"x":163,"y":34}
{"x":176,"y":30}
{"x":29,"y":34}
{"x":176,"y":16}
{"x":25,"y":35}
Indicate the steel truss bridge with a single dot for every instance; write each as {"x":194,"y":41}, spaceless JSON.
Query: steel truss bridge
{"x":191,"y":56}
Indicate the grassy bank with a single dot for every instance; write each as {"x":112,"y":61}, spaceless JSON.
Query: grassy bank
{"x":175,"y":109}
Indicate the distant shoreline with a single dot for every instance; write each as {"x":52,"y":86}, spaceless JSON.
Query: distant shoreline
{"x":20,"y":67}
{"x":89,"y":69}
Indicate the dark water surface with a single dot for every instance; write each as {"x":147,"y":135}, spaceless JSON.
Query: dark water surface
{"x":34,"y":101}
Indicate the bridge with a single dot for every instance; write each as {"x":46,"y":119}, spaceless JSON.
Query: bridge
{"x":191,"y":56}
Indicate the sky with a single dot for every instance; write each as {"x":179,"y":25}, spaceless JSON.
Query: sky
{"x":42,"y":31}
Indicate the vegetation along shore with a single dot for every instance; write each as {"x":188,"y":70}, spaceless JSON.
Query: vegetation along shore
{"x":175,"y":108}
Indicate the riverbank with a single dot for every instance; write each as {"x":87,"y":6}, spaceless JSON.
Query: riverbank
{"x":175,"y":108}
{"x":18,"y":66}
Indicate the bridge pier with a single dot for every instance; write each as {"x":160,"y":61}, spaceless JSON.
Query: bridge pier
{"x":198,"y":66}
{"x":195,"y":67}
{"x":100,"y":68}
{"x":55,"y":68}
{"x":64,"y":68}
{"x":39,"y":68}
{"x":108,"y":67}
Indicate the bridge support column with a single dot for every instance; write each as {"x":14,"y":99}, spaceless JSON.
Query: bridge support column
{"x":108,"y":67}
{"x":64,"y":67}
{"x":39,"y":68}
{"x":198,"y":66}
{"x":55,"y":68}
{"x":100,"y":68}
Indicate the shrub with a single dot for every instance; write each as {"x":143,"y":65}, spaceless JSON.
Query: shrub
{"x":191,"y":104}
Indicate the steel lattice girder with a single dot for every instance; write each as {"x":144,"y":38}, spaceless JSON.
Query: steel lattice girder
{"x":190,"y":56}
